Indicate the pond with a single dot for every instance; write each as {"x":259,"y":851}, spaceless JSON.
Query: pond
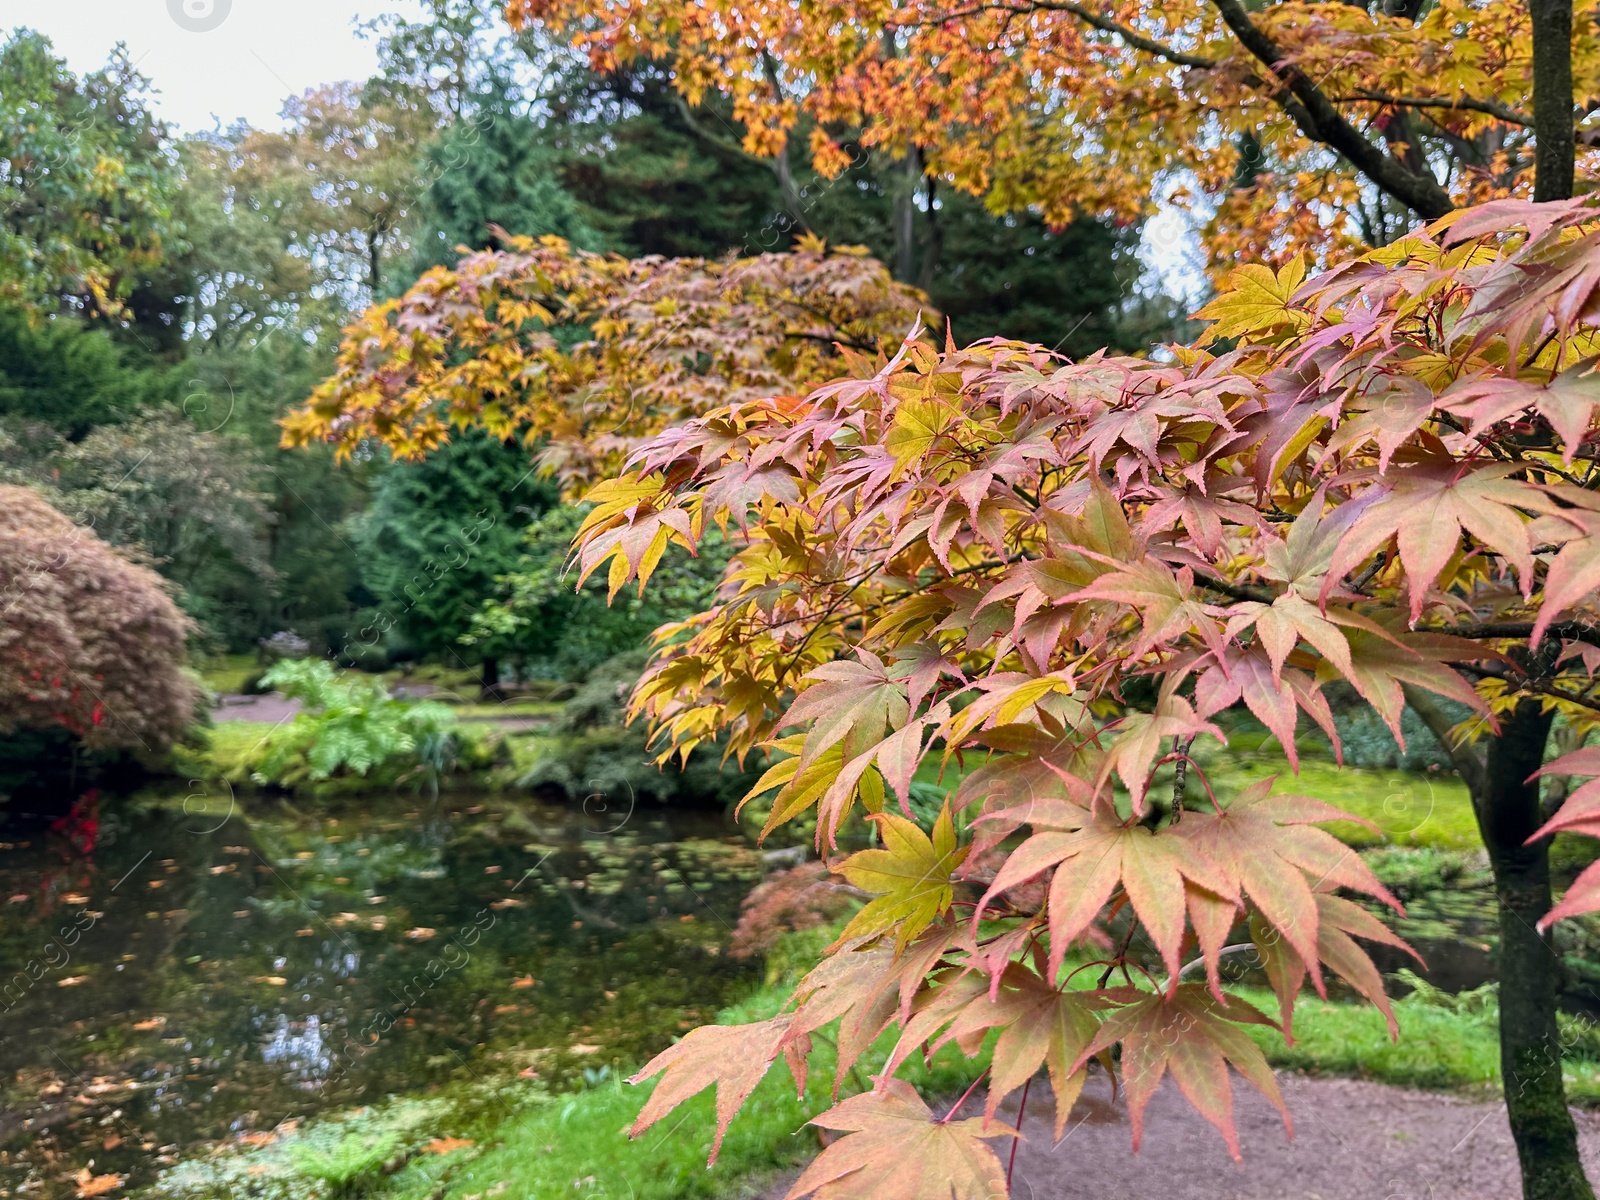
{"x":177,"y":970}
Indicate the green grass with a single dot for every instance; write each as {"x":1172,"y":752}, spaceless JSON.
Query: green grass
{"x":1439,"y":1048}
{"x":1408,"y":809}
{"x":228,"y":672}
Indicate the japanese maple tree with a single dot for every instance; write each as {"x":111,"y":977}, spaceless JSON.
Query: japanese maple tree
{"x":1304,"y":124}
{"x":91,"y":641}
{"x":585,"y":354}
{"x":1383,"y":474}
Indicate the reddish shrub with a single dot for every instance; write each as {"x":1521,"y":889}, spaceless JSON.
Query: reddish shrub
{"x":88,"y":640}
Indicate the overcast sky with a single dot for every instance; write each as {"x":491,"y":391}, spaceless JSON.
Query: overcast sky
{"x":214,"y":59}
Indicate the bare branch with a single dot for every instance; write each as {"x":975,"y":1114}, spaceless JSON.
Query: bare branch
{"x":1503,"y":112}
{"x":1320,"y":121}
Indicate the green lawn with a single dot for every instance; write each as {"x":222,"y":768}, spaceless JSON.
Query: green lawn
{"x":228,"y":672}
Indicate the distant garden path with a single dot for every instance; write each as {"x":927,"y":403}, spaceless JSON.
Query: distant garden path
{"x":1353,"y":1141}
{"x":273,"y":709}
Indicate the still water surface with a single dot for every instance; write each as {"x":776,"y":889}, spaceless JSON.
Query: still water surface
{"x":179,"y":971}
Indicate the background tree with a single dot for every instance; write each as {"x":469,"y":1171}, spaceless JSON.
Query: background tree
{"x":438,"y":535}
{"x":86,"y":193}
{"x":60,"y":373}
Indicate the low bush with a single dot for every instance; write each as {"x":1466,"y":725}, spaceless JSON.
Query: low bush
{"x":593,"y":752}
{"x":355,"y":727}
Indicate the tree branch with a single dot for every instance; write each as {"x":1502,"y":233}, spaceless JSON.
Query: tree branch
{"x":1087,"y":15}
{"x":1236,"y":591}
{"x":1320,"y":121}
{"x":1463,"y":757}
{"x":1503,"y":112}
{"x":1575,"y":631}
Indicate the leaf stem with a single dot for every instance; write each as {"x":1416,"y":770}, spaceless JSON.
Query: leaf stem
{"x":1022,"y":1107}
{"x":956,"y":1107}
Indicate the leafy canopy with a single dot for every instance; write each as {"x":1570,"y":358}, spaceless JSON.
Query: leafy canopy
{"x":1306,"y":123}
{"x":1386,"y":480}
{"x":587,"y":354}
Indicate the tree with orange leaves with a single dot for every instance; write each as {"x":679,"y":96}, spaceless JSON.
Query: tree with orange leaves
{"x":1308,"y":125}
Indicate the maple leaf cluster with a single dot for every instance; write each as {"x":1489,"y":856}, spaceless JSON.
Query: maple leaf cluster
{"x":588,"y":354}
{"x":1075,"y":107}
{"x":1383,"y":475}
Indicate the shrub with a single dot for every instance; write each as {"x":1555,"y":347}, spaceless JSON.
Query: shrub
{"x":800,"y":898}
{"x":351,"y":726}
{"x":90,"y":641}
{"x":594,"y":753}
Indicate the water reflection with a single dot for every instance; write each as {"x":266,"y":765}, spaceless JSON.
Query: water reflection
{"x":225,"y":975}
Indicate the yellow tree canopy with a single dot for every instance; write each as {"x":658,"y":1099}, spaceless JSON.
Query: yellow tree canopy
{"x":587,"y":354}
{"x":1311,"y":124}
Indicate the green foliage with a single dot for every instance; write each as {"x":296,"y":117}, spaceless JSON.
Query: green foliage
{"x":73,"y":378}
{"x":1367,"y":741}
{"x":86,"y":190}
{"x":646,"y":179}
{"x":593,"y":756}
{"x":180,"y":496}
{"x":348,"y":725}
{"x":492,"y":167}
{"x":345,"y":1162}
{"x":556,"y":631}
{"x":992,"y":276}
{"x":437,"y":536}
{"x":1412,"y":871}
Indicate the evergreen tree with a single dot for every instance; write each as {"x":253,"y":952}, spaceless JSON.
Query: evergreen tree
{"x":493,"y":167}
{"x":649,"y":175}
{"x":73,"y":378}
{"x":437,"y":537}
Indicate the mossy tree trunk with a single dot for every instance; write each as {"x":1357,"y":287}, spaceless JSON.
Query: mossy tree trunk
{"x":1507,"y":807}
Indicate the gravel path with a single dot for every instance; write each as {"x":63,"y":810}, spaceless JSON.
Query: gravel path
{"x":1353,"y":1141}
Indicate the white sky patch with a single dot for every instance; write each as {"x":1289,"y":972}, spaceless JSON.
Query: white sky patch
{"x":1170,"y":248}
{"x":259,"y":54}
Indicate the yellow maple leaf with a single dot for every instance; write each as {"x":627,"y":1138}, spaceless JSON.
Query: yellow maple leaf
{"x":910,"y":877}
{"x":1256,"y":300}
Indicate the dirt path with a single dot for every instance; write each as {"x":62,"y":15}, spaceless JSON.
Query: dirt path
{"x":1353,"y":1141}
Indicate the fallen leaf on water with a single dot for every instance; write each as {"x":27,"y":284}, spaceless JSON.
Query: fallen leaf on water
{"x":97,"y":1185}
{"x":446,"y":1145}
{"x":257,"y":1139}
{"x":420,"y":934}
{"x":306,"y":932}
{"x":584,"y":1048}
{"x":274,"y":980}
{"x":225,"y":867}
{"x":152,"y":1023}
{"x":508,"y":902}
{"x":74,"y":898}
{"x":113,"y":1140}
{"x":242,"y":912}
{"x":525,"y":981}
{"x":72,"y":981}
{"x":155,"y":883}
{"x":19,"y":898}
{"x":501,"y":1010}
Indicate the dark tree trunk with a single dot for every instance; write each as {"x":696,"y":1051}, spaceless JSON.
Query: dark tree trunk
{"x":489,"y":684}
{"x":1508,"y":811}
{"x":1530,"y":1046}
{"x":1552,"y":99}
{"x":905,"y":215}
